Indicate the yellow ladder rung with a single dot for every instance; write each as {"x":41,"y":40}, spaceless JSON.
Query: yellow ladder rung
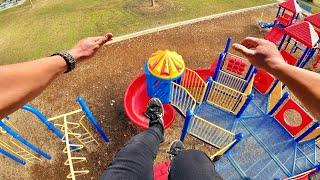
{"x":86,"y":142}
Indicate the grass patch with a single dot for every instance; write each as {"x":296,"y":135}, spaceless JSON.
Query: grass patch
{"x":30,"y":32}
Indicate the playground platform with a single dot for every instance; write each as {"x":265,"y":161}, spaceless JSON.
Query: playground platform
{"x":266,"y":150}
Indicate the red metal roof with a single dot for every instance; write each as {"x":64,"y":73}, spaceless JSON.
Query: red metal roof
{"x":304,"y":33}
{"x":314,"y":20}
{"x":291,"y":5}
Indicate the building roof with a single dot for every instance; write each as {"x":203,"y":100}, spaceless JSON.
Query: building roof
{"x":314,"y":20}
{"x":291,"y":5}
{"x":166,"y":64}
{"x":304,"y":33}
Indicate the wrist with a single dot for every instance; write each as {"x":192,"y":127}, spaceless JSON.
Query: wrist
{"x":75,"y":54}
{"x":278,"y":68}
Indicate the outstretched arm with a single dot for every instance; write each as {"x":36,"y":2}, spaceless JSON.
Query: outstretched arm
{"x":20,"y":83}
{"x":304,"y":84}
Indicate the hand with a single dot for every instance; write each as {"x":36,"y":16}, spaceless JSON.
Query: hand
{"x":261,"y":53}
{"x":87,"y":47}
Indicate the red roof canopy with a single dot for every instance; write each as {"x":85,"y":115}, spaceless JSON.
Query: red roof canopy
{"x":291,"y":5}
{"x":314,"y":20}
{"x":304,"y":33}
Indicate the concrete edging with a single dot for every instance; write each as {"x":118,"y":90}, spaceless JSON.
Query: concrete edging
{"x":183,"y":23}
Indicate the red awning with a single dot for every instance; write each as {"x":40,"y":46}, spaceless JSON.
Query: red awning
{"x":304,"y":33}
{"x":291,"y":5}
{"x":314,"y":20}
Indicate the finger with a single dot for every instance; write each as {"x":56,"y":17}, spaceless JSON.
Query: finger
{"x":250,"y":42}
{"x":95,"y":38}
{"x":104,"y":39}
{"x":242,"y":49}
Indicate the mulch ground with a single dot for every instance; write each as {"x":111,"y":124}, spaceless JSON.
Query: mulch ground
{"x":102,"y":82}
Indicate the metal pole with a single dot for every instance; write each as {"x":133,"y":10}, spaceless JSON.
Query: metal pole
{"x":23,"y":141}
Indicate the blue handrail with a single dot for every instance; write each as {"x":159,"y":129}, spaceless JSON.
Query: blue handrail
{"x":23,"y":141}
{"x":92,"y":119}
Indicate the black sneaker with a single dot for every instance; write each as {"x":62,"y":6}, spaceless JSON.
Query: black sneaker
{"x":155,"y":112}
{"x":175,"y":148}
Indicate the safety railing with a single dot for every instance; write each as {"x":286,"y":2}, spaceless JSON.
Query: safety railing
{"x":231,"y":81}
{"x":210,"y":133}
{"x":182,"y":99}
{"x":226,"y":98}
{"x":194,"y":84}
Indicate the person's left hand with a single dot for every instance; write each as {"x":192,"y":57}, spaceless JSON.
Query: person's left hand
{"x":87,"y":47}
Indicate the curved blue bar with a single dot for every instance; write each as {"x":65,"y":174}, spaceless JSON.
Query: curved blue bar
{"x":43,"y":119}
{"x":90,"y":116}
{"x":24,"y":141}
{"x":13,"y":157}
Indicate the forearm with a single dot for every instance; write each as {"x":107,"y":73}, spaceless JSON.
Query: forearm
{"x":20,"y":83}
{"x":303,"y":84}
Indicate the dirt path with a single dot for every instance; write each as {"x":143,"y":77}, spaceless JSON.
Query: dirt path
{"x":104,"y":79}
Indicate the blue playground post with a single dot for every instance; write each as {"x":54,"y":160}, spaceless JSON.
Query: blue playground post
{"x":13,"y":157}
{"x":238,"y":137}
{"x":218,"y":67}
{"x":282,"y":41}
{"x":279,"y":103}
{"x":303,"y":135}
{"x":278,"y":12}
{"x":210,"y":81}
{"x":273,"y":86}
{"x":43,"y":119}
{"x":187,"y":121}
{"x":303,"y":57}
{"x":245,"y":105}
{"x":92,"y":119}
{"x":228,"y":44}
{"x":310,"y":54}
{"x":249,"y":72}
{"x":23,"y":141}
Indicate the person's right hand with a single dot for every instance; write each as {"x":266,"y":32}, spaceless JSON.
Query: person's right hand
{"x":87,"y":47}
{"x":261,"y":53}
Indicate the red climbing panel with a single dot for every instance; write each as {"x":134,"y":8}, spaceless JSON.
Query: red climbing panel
{"x":263,"y":81}
{"x":288,"y":58}
{"x":285,"y":19}
{"x":160,"y":171}
{"x":306,"y":119}
{"x":275,"y":35}
{"x":236,"y":65}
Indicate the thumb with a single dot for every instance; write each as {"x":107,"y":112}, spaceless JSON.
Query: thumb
{"x":242,"y":49}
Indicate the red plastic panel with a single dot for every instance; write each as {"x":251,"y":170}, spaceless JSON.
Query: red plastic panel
{"x":288,"y":58}
{"x":306,"y":118}
{"x":236,"y":65}
{"x":284,"y":21}
{"x":160,"y":171}
{"x":263,"y":81}
{"x":275,"y":35}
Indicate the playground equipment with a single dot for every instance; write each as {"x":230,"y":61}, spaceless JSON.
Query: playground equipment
{"x":297,"y":47}
{"x":315,"y":21}
{"x":302,"y":40}
{"x":11,"y":142}
{"x":232,"y":82}
{"x":77,"y":135}
{"x":221,"y":109}
{"x":287,"y":14}
{"x":186,"y":90}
